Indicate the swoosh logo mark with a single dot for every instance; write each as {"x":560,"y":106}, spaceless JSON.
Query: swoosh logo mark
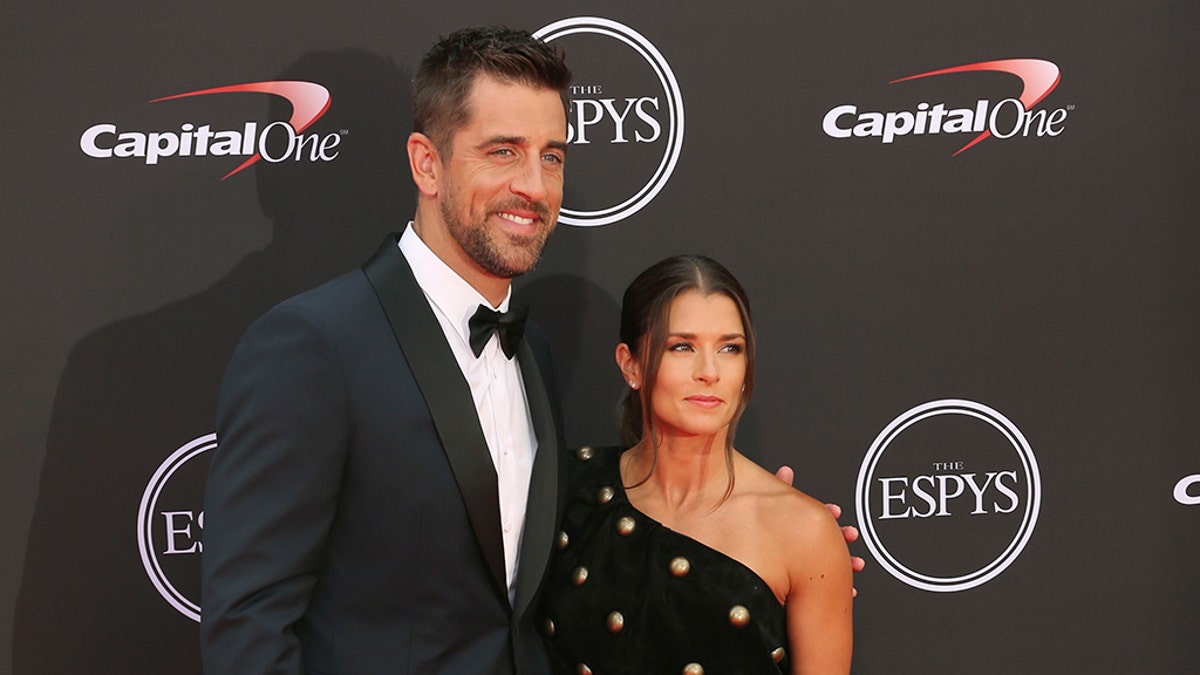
{"x":1038,"y":77}
{"x":309,"y":102}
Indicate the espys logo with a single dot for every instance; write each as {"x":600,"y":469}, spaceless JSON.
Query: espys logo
{"x":626,"y":120}
{"x":1007,"y":118}
{"x":948,"y":495}
{"x":170,"y":521}
{"x":1181,"y":493}
{"x":276,"y":142}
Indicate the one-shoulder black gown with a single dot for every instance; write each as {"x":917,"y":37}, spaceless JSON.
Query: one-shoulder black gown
{"x":627,"y":595}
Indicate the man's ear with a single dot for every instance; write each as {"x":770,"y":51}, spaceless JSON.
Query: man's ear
{"x":425,"y":163}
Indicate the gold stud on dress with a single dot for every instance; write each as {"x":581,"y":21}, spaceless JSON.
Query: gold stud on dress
{"x":778,"y":654}
{"x":616,"y":621}
{"x":680,"y":566}
{"x":579,"y":576}
{"x":625,"y":526}
{"x":605,"y":495}
{"x":550,"y":627}
{"x":563,"y":539}
{"x":585,"y":452}
{"x":739,"y":616}
{"x":582,"y":669}
{"x":693,"y":669}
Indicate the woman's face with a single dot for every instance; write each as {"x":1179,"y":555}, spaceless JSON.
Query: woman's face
{"x":699,"y":383}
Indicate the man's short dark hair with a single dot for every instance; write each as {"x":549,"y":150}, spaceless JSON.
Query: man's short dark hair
{"x":443,"y":81}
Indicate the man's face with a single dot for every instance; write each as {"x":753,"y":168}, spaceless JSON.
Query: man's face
{"x":501,"y":187}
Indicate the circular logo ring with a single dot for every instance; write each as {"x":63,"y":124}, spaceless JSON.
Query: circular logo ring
{"x":145,"y":517}
{"x":1033,"y":492}
{"x":666,"y":77}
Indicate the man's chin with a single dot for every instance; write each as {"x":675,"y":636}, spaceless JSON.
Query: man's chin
{"x":510,"y":268}
{"x":523,"y":253}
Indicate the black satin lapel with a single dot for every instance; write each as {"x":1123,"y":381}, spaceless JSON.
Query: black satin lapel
{"x":541,"y":514}
{"x":446,"y":393}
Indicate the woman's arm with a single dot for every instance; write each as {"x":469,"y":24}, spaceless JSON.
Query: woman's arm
{"x":819,"y":603}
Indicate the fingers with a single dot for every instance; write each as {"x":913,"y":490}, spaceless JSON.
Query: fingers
{"x":786,"y":475}
{"x":850,"y":533}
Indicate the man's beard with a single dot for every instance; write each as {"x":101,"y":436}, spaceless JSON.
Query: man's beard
{"x":479,"y":242}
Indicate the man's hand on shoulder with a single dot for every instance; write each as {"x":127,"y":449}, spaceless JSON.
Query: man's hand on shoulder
{"x":849,"y":532}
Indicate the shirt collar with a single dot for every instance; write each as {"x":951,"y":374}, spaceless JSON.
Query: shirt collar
{"x":447,"y":292}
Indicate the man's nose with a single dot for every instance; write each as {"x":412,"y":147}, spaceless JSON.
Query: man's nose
{"x":530,"y":183}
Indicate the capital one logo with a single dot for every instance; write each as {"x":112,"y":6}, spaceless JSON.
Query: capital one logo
{"x":948,"y":495}
{"x":275,"y":142}
{"x":625,"y":127}
{"x":1002,"y":119}
{"x":170,"y":521}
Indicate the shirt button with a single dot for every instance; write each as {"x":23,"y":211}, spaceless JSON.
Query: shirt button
{"x":508,"y":526}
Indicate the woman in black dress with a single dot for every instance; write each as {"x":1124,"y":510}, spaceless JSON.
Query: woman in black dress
{"x":679,"y":554}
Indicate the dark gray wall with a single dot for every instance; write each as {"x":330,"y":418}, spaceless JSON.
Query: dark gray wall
{"x":1051,"y":278}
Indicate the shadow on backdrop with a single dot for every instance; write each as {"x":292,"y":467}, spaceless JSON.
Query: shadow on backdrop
{"x":582,"y":321}
{"x":137,"y":389}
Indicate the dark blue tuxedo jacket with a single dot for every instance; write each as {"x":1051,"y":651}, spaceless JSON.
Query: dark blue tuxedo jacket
{"x":351,"y":515}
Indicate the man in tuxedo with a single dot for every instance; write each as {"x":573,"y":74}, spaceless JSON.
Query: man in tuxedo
{"x":385,"y":491}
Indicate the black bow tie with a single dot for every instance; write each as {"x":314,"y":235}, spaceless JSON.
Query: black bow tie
{"x":508,"y":326}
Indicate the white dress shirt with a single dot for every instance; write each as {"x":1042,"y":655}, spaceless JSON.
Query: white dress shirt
{"x":496,"y":386}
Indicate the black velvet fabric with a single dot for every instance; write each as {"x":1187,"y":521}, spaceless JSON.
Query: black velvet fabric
{"x":670,"y":621}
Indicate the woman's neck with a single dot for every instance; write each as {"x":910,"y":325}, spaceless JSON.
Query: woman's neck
{"x":690,"y":472}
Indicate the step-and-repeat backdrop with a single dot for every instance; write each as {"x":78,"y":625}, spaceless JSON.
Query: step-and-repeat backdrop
{"x":969,"y":231}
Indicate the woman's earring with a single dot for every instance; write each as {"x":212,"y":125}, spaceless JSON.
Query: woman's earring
{"x":633,"y":384}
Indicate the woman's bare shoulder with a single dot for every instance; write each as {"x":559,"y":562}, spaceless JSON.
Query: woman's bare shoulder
{"x":789,"y":513}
